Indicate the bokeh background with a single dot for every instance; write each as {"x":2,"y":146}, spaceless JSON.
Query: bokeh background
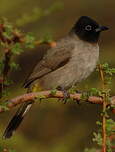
{"x":54,"y":126}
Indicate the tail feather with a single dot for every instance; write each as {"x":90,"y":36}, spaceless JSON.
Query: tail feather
{"x":12,"y":126}
{"x":16,"y":120}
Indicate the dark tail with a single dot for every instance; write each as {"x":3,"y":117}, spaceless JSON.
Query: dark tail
{"x":16,"y":120}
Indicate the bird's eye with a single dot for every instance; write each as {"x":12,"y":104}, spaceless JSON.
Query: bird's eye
{"x":88,"y":28}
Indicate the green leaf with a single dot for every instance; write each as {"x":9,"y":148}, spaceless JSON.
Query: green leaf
{"x":47,"y":38}
{"x":14,"y":66}
{"x":110,"y":124}
{"x":53,"y":92}
{"x":29,"y":41}
{"x":97,"y":138}
{"x":5,"y":108}
{"x":16,"y":49}
{"x":85,"y":96}
{"x":99,"y":123}
{"x":8,"y":30}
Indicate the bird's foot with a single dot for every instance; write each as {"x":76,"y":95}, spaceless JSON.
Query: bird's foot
{"x":65,"y":94}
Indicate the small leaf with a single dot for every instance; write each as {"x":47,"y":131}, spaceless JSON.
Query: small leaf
{"x":14,"y":66}
{"x":53,"y":92}
{"x":29,"y":41}
{"x":16,"y":49}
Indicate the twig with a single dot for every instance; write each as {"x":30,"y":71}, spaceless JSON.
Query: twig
{"x":7,"y":59}
{"x":104,"y":136}
{"x":48,"y":94}
{"x":6,"y":69}
{"x":1,"y":86}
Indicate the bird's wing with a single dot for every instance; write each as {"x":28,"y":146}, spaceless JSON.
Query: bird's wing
{"x":55,"y":58}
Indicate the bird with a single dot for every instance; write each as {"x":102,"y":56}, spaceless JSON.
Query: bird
{"x":72,"y":60}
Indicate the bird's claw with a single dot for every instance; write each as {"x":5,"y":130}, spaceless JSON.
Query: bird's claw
{"x":66,"y":94}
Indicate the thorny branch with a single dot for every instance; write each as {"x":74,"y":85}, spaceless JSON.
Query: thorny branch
{"x":7,"y":57}
{"x":104,"y":147}
{"x":48,"y":94}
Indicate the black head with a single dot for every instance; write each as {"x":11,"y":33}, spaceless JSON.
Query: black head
{"x":87,"y":29}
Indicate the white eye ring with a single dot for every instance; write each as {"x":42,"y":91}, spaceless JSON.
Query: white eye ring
{"x":88,"y":28}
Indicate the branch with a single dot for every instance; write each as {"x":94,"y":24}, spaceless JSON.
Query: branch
{"x":104,"y":133}
{"x":48,"y":94}
{"x":7,"y":58}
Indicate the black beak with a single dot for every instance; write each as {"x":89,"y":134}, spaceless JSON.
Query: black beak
{"x":101,"y":28}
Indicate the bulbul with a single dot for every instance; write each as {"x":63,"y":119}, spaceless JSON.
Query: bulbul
{"x":72,"y":59}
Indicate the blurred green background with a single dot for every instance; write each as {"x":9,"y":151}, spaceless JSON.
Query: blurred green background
{"x":53,"y":126}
